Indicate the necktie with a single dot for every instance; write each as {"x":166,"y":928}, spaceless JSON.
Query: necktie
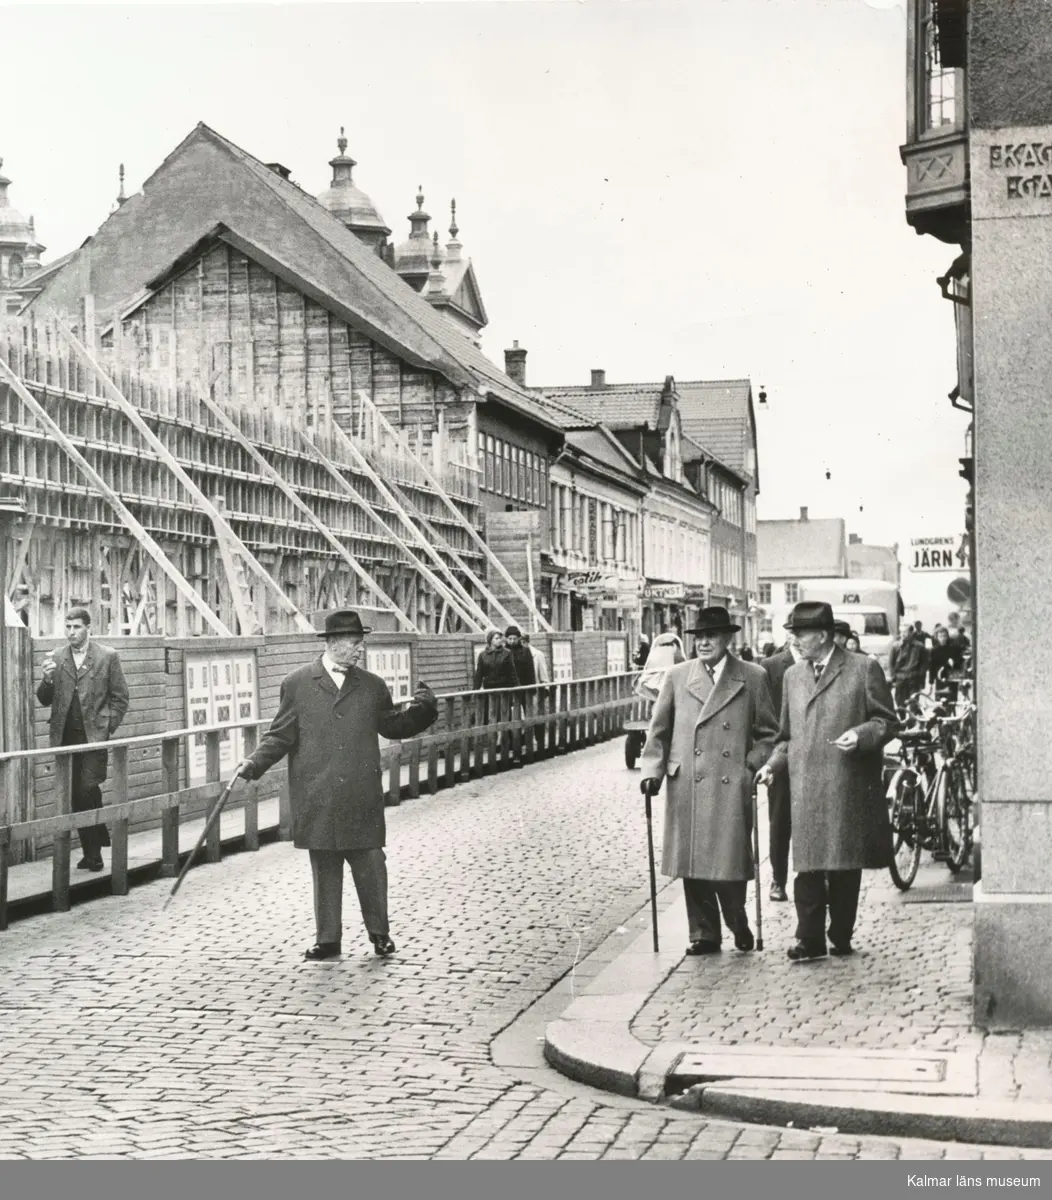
{"x":818,"y":671}
{"x":711,"y":671}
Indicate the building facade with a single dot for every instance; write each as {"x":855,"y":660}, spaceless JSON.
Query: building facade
{"x":788,"y":552}
{"x":873,"y":562}
{"x":977,"y":154}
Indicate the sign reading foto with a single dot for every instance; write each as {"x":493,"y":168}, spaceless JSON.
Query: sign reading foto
{"x":939,"y":553}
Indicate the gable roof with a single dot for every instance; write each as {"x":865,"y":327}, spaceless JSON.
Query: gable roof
{"x":600,"y":444}
{"x":801,"y":549}
{"x":206,"y":182}
{"x":618,"y":406}
{"x":718,"y":414}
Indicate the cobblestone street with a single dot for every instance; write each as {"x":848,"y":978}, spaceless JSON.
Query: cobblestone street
{"x":201,"y":1032}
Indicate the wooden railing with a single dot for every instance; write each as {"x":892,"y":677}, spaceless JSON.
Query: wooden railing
{"x":476,"y":733}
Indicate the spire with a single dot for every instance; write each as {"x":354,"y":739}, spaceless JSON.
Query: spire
{"x":121,"y":197}
{"x":453,"y":246}
{"x":418,"y":220}
{"x":4,"y":182}
{"x":342,"y":165}
{"x":436,"y":282}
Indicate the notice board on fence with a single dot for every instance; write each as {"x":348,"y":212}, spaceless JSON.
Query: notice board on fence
{"x":220,"y":689}
{"x":393,"y":664}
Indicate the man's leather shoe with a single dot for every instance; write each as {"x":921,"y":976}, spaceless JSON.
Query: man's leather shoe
{"x":382,"y":944}
{"x":744,"y":939}
{"x":806,"y":952}
{"x":842,"y":951}
{"x":702,"y":947}
{"x":95,"y":864}
{"x":83,"y":865}
{"x":778,"y":892}
{"x":323,"y":950}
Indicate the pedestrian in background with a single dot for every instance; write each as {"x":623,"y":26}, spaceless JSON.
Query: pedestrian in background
{"x":330,"y":714}
{"x":853,"y":645}
{"x":666,"y":652}
{"x":642,"y":650}
{"x":837,"y":716}
{"x":908,"y":664}
{"x":522,"y":659}
{"x":712,"y":728}
{"x":83,"y":684}
{"x":779,"y":806}
{"x":495,"y":668}
{"x":745,"y":654}
{"x":841,"y":632}
{"x":768,"y":649}
{"x":540,"y":663}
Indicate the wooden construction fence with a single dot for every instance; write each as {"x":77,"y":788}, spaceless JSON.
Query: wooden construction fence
{"x":476,"y":733}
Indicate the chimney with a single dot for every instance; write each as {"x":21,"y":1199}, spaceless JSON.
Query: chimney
{"x":803,"y":513}
{"x":515,"y":364}
{"x":854,"y":539}
{"x":280,"y":169}
{"x":598,"y":379}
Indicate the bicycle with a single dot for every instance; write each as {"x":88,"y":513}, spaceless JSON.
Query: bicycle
{"x":930,"y":793}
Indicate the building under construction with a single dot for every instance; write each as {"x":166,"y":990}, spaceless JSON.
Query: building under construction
{"x":230,"y":409}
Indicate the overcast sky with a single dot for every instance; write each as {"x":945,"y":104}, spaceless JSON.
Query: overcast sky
{"x":708,"y":189}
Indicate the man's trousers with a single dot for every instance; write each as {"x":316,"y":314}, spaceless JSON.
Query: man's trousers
{"x":818,"y":892}
{"x":705,"y":898}
{"x":369,"y":871}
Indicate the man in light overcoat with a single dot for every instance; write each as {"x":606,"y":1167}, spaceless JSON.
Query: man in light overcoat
{"x":837,"y":716}
{"x":712,"y":728}
{"x":84,"y":687}
{"x":330,"y":716}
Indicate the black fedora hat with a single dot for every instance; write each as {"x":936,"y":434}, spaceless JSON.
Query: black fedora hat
{"x":810,"y":614}
{"x":714,"y":620}
{"x":345,"y":621}
{"x":843,"y":628}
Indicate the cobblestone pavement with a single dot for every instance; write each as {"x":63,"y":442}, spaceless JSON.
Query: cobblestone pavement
{"x":201,"y":1032}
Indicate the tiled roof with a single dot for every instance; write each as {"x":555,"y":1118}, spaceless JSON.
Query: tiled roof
{"x":716,"y":413}
{"x":801,"y":549}
{"x":597,"y":443}
{"x":210,"y":181}
{"x":618,"y":406}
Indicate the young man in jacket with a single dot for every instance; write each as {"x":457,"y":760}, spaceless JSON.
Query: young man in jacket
{"x":712,"y":728}
{"x":84,"y":687}
{"x":329,"y":717}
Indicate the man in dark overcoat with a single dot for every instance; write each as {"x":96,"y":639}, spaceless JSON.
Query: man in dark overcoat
{"x":779,"y":808}
{"x":330,"y":716}
{"x":837,"y":716}
{"x":712,"y":728}
{"x":84,"y":687}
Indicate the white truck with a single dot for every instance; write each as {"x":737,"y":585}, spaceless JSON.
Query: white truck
{"x":869,"y":606}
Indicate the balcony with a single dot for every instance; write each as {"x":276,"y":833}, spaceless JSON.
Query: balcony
{"x":936,"y":150}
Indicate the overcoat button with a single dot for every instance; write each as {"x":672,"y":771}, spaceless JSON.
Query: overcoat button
{"x":726,"y":724}
{"x":726,"y":754}
{"x":697,"y":753}
{"x":726,"y":779}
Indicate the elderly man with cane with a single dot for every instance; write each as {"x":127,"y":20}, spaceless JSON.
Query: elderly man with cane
{"x":712,"y":728}
{"x":329,"y":717}
{"x":837,"y":716}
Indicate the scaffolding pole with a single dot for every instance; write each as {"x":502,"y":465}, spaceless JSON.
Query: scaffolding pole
{"x":466,"y":600}
{"x":429,"y":475}
{"x":276,"y":478}
{"x":134,"y":527}
{"x":169,"y":460}
{"x":422,"y":567}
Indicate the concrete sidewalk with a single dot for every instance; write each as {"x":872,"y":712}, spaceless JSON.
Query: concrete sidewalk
{"x":878,"y":1043}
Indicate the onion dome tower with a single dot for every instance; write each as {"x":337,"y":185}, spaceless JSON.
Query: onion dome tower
{"x":349,"y":204}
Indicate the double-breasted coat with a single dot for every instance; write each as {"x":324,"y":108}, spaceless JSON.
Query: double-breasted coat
{"x":840,"y":813}
{"x":708,"y":743}
{"x":331,"y":738}
{"x":103,"y":694}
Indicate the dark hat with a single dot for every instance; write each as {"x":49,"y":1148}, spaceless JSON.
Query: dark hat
{"x":714,"y":620}
{"x":513,"y":631}
{"x":810,"y":614}
{"x":843,"y":628}
{"x":345,"y":621}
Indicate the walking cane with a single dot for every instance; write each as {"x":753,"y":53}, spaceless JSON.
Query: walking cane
{"x":209,"y":824}
{"x":756,"y":860}
{"x":653,"y":877}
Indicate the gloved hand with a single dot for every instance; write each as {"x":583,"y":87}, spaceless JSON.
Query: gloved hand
{"x":248,"y":770}
{"x":424,"y":695}
{"x":650,"y":787}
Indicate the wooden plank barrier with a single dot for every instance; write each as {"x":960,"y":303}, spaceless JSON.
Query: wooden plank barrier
{"x":476,"y":733}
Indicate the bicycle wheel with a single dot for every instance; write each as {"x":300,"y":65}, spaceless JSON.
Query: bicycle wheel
{"x":905,"y":843}
{"x":956,"y":818}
